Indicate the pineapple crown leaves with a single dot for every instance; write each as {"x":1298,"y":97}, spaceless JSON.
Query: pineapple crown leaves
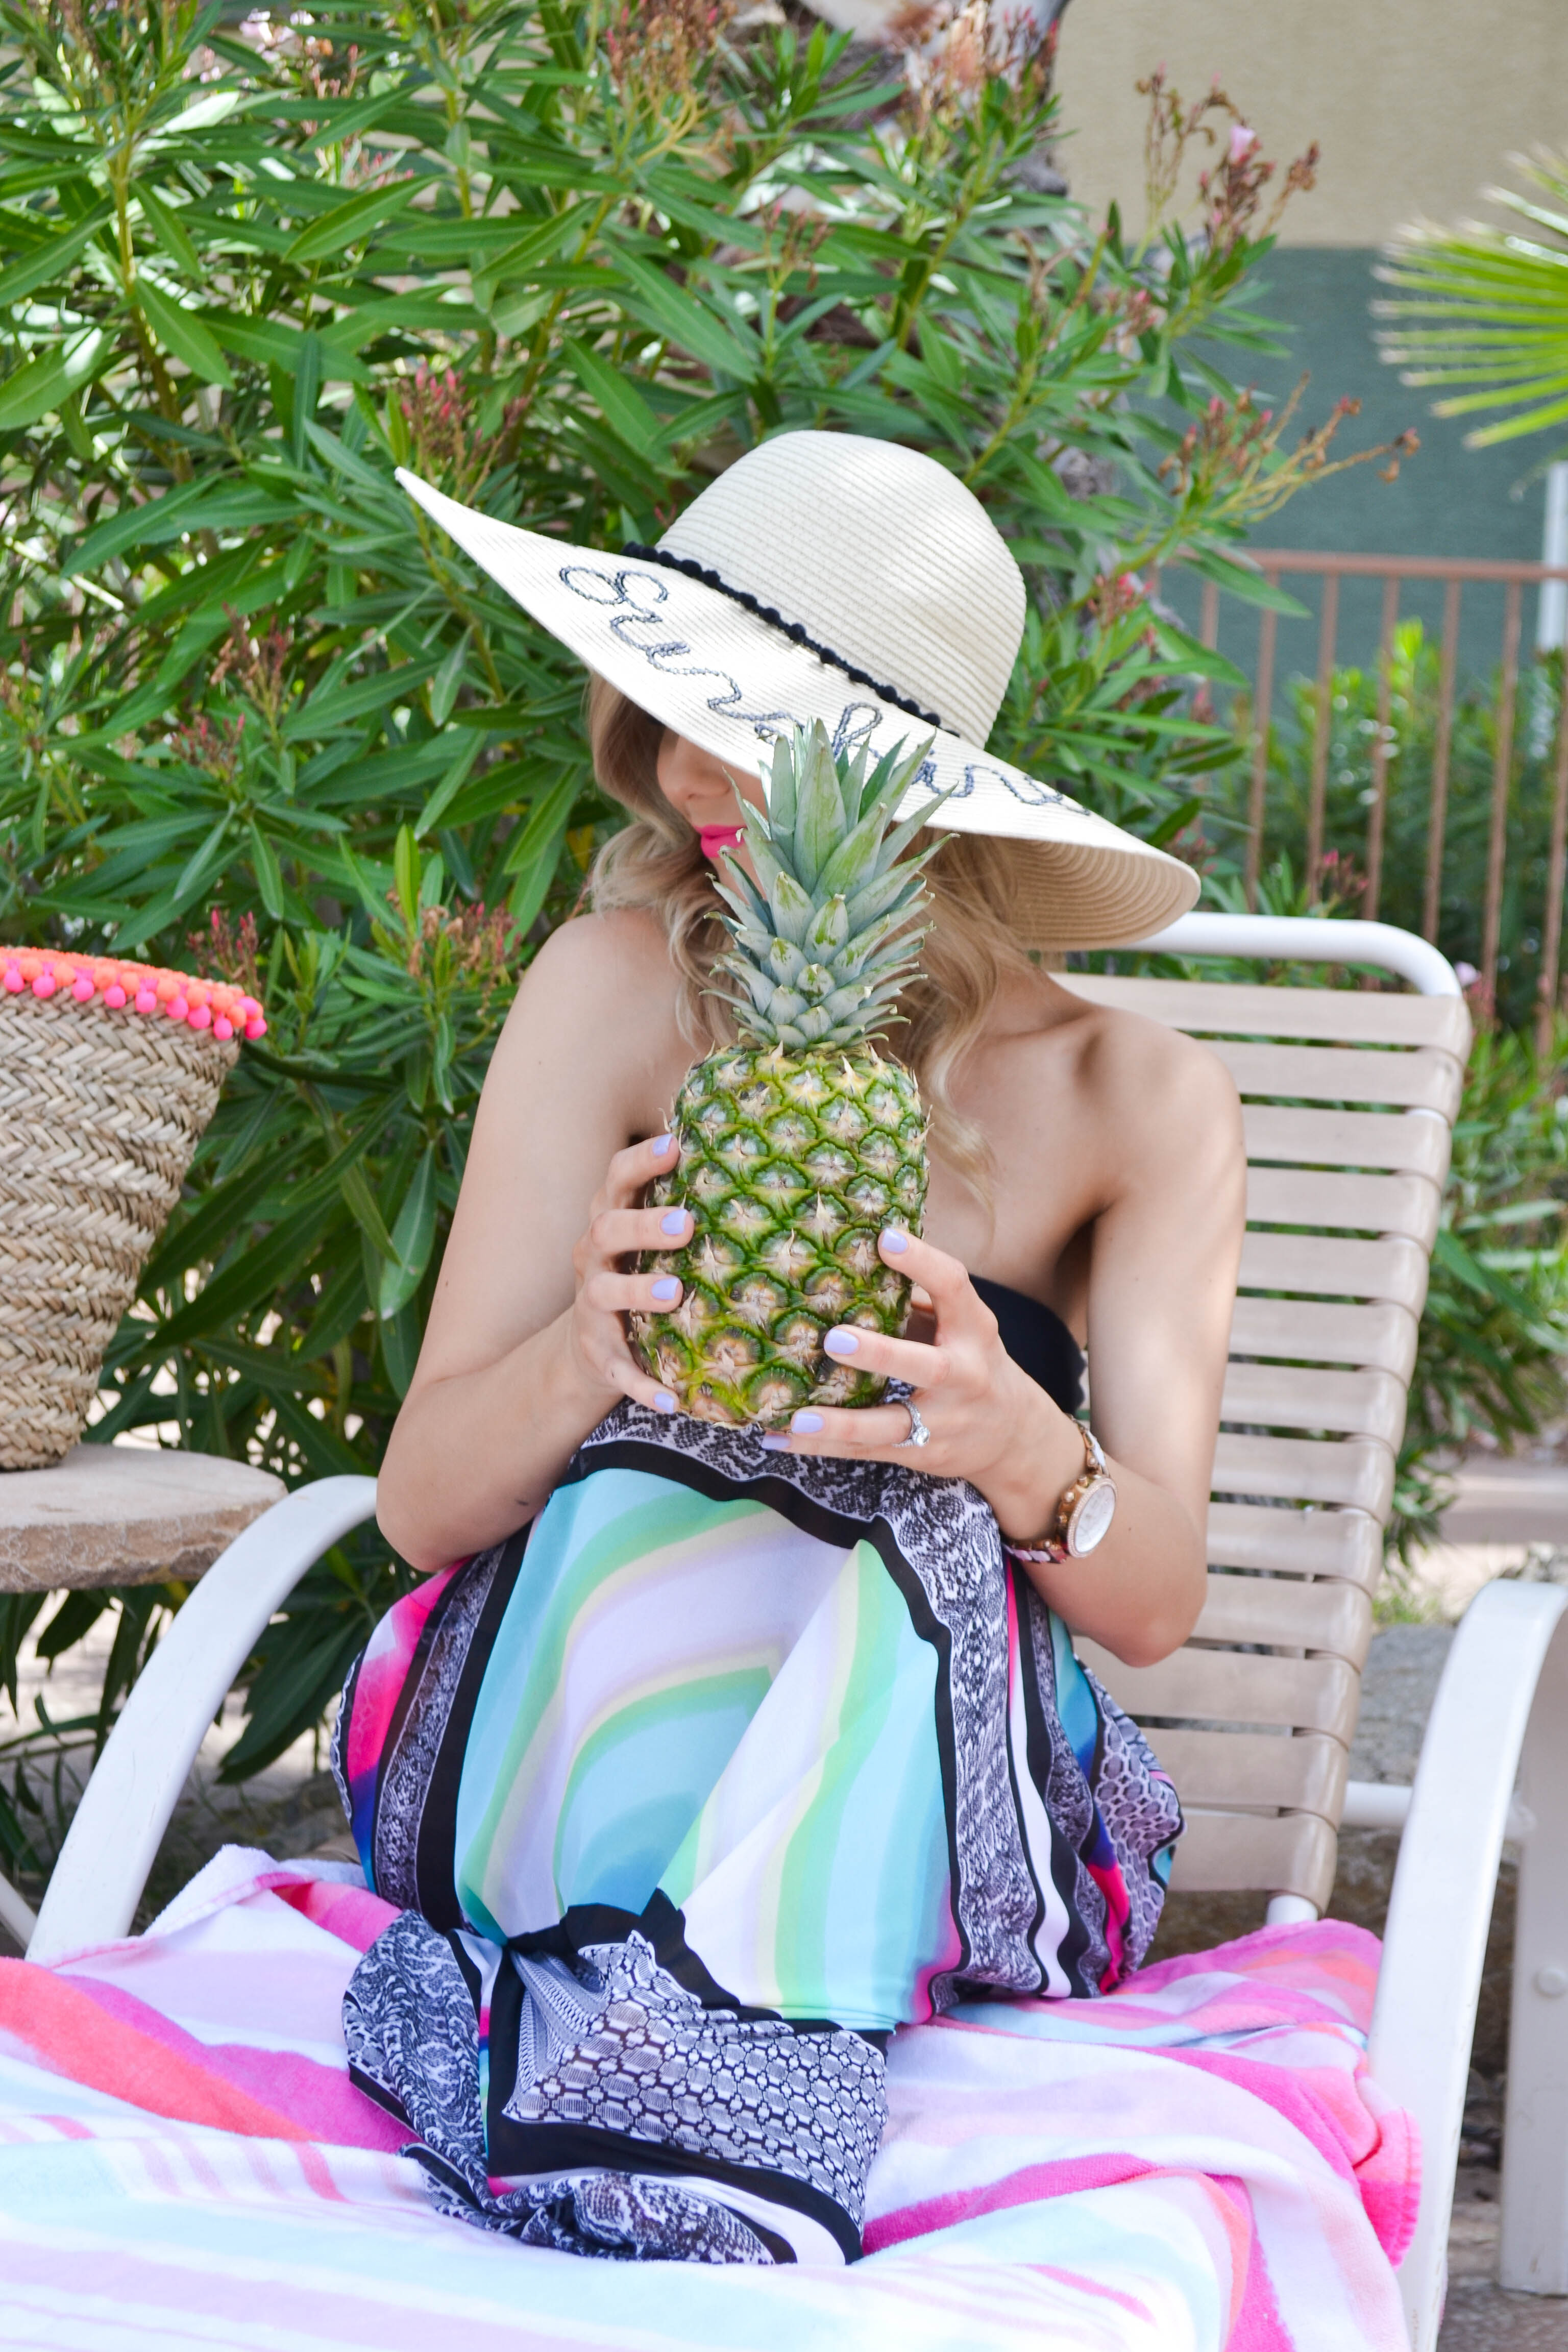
{"x":826,"y":942}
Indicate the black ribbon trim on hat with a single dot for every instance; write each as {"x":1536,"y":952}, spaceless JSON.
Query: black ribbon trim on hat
{"x":790,"y":629}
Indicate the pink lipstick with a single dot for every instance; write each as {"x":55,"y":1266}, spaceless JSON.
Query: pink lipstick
{"x":716,"y":838}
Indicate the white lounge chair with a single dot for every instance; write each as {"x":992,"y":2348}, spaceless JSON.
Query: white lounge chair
{"x":1350,"y":1096}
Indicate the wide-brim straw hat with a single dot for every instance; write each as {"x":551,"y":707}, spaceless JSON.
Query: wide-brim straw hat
{"x":829,"y":576}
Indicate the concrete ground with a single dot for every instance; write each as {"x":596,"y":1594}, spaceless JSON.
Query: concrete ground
{"x":1480,"y":2316}
{"x":1503,"y":1509}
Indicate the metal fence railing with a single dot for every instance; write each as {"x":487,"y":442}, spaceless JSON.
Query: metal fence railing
{"x":1393,"y":572}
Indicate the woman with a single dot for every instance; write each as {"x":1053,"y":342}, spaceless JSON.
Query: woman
{"x":723,"y":1755}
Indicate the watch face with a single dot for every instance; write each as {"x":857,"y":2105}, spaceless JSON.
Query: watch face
{"x":1091,"y":1520}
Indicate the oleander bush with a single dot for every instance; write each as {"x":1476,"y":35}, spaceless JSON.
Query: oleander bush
{"x":255,"y":711}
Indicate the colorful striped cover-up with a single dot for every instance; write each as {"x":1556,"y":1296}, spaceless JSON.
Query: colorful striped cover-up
{"x":691,"y":1796}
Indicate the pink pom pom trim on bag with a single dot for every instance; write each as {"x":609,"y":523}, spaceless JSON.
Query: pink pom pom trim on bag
{"x":143,"y":988}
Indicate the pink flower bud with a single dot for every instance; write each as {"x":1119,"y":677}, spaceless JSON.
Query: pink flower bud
{"x":44,"y":984}
{"x":1242,"y":143}
{"x":82,"y":988}
{"x":200,"y":1016}
{"x":114,"y":997}
{"x":223,"y":1030}
{"x":256,"y":1026}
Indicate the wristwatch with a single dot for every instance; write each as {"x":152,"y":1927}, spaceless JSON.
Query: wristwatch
{"x":1082,"y":1517}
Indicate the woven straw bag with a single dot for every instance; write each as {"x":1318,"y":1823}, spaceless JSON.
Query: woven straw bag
{"x":100,"y":1113}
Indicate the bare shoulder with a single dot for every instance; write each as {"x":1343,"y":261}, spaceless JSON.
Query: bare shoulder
{"x":602,"y":978}
{"x":1157,"y":1089}
{"x":599,"y":997}
{"x":602,"y":955}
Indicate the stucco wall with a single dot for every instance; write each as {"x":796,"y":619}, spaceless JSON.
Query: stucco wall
{"x":1416,"y":104}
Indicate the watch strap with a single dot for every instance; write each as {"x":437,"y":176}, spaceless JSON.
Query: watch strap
{"x":1051,"y":1545}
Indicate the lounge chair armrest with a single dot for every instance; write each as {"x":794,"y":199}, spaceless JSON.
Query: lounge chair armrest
{"x":1306,"y":939}
{"x":119,"y":1823}
{"x":1534,"y":2249}
{"x":1440,"y":1907}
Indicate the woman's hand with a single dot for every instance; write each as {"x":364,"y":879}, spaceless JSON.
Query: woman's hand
{"x":606,"y":1294}
{"x":989,"y":1421}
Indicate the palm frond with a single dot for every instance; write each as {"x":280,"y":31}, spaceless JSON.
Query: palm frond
{"x":1487,"y":307}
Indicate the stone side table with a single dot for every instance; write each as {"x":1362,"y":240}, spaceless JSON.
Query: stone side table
{"x":120,"y":1515}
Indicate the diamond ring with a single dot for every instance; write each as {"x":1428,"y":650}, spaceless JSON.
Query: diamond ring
{"x":918,"y":1434}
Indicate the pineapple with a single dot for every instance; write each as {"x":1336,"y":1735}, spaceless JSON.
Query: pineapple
{"x":800,"y":1143}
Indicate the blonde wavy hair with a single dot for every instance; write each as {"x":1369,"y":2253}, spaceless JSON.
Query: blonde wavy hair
{"x":656,"y":863}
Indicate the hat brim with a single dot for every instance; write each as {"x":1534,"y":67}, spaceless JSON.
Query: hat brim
{"x":730,"y":682}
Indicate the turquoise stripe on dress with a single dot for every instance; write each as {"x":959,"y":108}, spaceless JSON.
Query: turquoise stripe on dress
{"x":701,"y":1698}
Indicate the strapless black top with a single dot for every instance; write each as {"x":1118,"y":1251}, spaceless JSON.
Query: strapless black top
{"x":1037,"y":1340}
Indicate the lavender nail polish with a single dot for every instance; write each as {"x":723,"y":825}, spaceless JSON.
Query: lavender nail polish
{"x":775,"y":1445}
{"x":895,"y":1241}
{"x":672,"y":1222}
{"x":665,"y":1401}
{"x":666,"y":1287}
{"x":842,"y":1343}
{"x":661,"y":1144}
{"x":806,"y":1424}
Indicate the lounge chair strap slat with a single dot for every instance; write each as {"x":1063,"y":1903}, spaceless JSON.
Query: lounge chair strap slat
{"x":1289,"y":1853}
{"x":1360,"y":1017}
{"x":1347,"y":1544}
{"x":1239,"y":1687}
{"x":1306,"y":1773}
{"x":1423,"y":1080}
{"x":1336,"y":1267}
{"x":1413,"y":1141}
{"x":1379,"y":1336}
{"x":1288,"y":1396}
{"x":1347,"y":1203}
{"x":1355,"y":1471}
{"x":1329,"y":1614}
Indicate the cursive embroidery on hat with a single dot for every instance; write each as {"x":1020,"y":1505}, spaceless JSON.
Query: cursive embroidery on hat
{"x":858,"y":722}
{"x":1027,"y":789}
{"x":793,"y":630}
{"x":666,"y":656}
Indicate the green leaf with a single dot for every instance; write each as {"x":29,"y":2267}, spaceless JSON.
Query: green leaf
{"x":412,"y":1238}
{"x":307,"y":387}
{"x":672,"y":311}
{"x":444,"y":686}
{"x":180,"y":331}
{"x":400,"y":1337}
{"x":618,"y":399}
{"x":52,"y":257}
{"x":33,"y":390}
{"x":348,"y":223}
{"x":268,"y":872}
{"x":450,"y":785}
{"x":166,"y":225}
{"x":325,"y":712}
{"x":406,"y":871}
{"x":354,"y":1186}
{"x":520,"y":259}
{"x":225,"y":504}
{"x":287,"y":1251}
{"x":268,"y":343}
{"x":536,"y":850}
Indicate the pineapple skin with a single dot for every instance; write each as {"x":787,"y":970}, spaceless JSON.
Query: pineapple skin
{"x":793,"y":1162}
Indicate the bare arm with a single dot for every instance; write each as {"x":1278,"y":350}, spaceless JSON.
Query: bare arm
{"x":1164,"y":1254}
{"x":525,"y":1351}
{"x":1165,"y":1249}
